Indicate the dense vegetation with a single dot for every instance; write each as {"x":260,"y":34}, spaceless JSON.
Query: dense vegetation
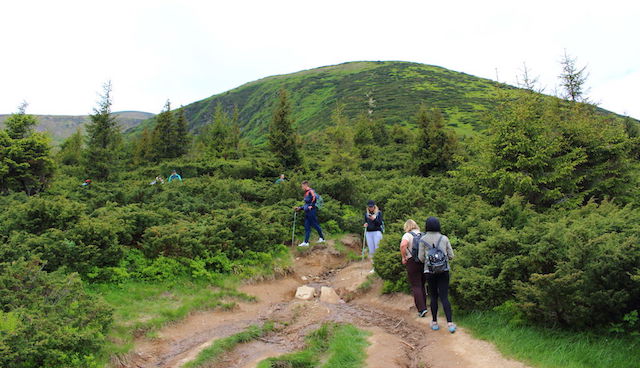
{"x":541,"y":207}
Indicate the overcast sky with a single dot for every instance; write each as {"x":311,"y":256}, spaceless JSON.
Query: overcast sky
{"x":57,"y":54}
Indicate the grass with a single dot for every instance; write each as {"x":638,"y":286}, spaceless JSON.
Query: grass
{"x":223,"y":345}
{"x":549,"y":348}
{"x":332,"y":345}
{"x":348,"y":253}
{"x":145,"y":307}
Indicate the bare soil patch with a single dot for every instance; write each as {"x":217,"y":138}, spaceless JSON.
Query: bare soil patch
{"x":398,"y":337}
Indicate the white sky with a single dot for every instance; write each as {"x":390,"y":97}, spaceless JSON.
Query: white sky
{"x":57,"y":54}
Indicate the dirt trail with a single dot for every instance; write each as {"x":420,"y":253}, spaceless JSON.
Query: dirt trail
{"x":398,"y":338}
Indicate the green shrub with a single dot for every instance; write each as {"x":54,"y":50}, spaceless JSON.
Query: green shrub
{"x":47,"y":319}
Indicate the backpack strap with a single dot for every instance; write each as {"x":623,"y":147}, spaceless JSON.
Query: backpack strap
{"x":438,"y":245}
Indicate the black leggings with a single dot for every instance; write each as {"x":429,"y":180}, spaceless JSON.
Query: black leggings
{"x":438,"y":285}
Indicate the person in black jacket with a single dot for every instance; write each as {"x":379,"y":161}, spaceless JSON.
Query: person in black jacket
{"x":373,"y":223}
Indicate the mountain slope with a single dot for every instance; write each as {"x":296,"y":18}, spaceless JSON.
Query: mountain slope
{"x":60,"y":127}
{"x":398,"y":89}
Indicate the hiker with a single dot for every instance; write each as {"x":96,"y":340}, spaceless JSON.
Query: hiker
{"x":157,"y":180}
{"x":415,"y":269}
{"x":310,"y":211}
{"x":174,"y":175}
{"x":281,"y":179}
{"x":86,"y":183}
{"x":374,"y":224}
{"x":435,"y":252}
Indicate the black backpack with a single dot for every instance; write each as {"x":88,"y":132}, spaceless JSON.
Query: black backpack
{"x":435,"y":258}
{"x":415,"y":246}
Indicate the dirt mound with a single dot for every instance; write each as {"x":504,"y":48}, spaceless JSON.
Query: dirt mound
{"x":398,"y":338}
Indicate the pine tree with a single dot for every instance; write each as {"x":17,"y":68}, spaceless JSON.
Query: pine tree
{"x":163,"y":136}
{"x":143,"y":148}
{"x":216,"y":134}
{"x":103,"y":138}
{"x":25,"y":156}
{"x":341,"y":158}
{"x":234,"y":133}
{"x":71,"y":149}
{"x":283,"y":141}
{"x":573,"y":79}
{"x":436,"y":145}
{"x":182,"y":139}
{"x":20,"y":124}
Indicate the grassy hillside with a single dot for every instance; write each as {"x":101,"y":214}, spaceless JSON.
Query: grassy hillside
{"x":62,"y":126}
{"x":397,"y":88}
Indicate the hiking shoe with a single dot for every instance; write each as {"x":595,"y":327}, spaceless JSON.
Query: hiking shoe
{"x":452,"y":327}
{"x":303,"y":244}
{"x":423,"y":313}
{"x":434,"y":326}
{"x":320,"y":241}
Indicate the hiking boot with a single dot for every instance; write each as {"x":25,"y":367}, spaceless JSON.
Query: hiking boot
{"x":434,"y":326}
{"x":320,"y":241}
{"x":303,"y":244}
{"x":423,"y":313}
{"x":452,"y":327}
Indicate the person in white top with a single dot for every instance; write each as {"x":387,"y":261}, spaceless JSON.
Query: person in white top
{"x":414,"y":268}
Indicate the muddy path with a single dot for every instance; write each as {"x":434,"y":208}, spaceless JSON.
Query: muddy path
{"x":398,"y":338}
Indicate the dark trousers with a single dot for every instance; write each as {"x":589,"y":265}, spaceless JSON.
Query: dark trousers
{"x":438,"y":285}
{"x":415,"y":271}
{"x":311,"y":221}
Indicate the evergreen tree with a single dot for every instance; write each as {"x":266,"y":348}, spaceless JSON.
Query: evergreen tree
{"x":341,"y":157}
{"x":234,"y":133}
{"x":71,"y":149}
{"x":25,"y":156}
{"x":436,"y":145}
{"x":20,"y":124}
{"x":283,"y":141}
{"x":182,"y":139}
{"x":363,"y":136}
{"x":163,"y":139}
{"x":573,"y":79}
{"x":143,"y":149}
{"x":216,"y":134}
{"x":103,"y":138}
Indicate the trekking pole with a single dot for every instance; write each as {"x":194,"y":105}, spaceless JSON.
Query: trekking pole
{"x":293,"y":230}
{"x":364,"y":236}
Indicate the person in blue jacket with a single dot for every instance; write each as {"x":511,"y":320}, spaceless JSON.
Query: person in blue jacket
{"x":174,"y":175}
{"x":310,"y":211}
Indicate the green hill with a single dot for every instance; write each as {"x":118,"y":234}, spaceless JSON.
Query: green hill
{"x":397,"y":88}
{"x":60,"y":127}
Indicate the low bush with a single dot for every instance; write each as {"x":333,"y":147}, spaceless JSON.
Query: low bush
{"x":47,"y":319}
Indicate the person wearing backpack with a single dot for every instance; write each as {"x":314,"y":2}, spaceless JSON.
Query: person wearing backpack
{"x":409,"y":246}
{"x":435,"y":251}
{"x":375,"y":226}
{"x":310,"y":210}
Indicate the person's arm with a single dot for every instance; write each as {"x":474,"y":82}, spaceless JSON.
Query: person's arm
{"x":179,"y":177}
{"x":449,"y":249}
{"x":403,"y":250}
{"x":378,"y":220}
{"x":170,"y":178}
{"x":421,"y":252}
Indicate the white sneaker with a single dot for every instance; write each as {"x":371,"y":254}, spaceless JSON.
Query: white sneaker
{"x":320,"y":241}
{"x":303,"y":244}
